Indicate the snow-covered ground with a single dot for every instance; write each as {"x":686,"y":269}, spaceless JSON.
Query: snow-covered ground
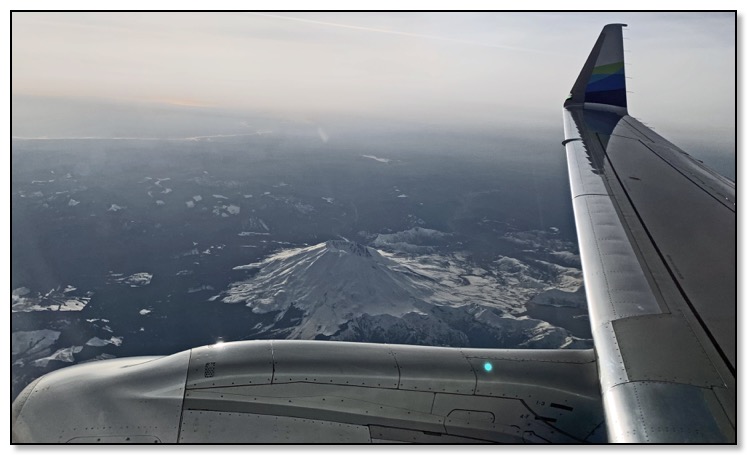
{"x":225,"y":211}
{"x":98,"y":342}
{"x":136,"y":280}
{"x":414,"y":240}
{"x":59,"y":299}
{"x":34,"y":342}
{"x":66,"y":355}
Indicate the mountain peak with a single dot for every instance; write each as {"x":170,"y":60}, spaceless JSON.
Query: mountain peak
{"x":354,"y":248}
{"x":330,"y":283}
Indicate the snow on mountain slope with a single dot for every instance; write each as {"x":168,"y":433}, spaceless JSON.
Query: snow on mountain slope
{"x":415,"y":240}
{"x":331,"y":283}
{"x":349,"y":291}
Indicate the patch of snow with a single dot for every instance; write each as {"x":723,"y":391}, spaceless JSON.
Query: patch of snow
{"x":160,"y":202}
{"x":98,"y":342}
{"x":73,"y":305}
{"x":61,"y":355}
{"x":303,"y":208}
{"x":35,"y":342}
{"x":197,"y":198}
{"x":413,"y":240}
{"x":139,"y":279}
{"x":204,"y":287}
{"x":20,"y":292}
{"x":72,"y":202}
{"x":381,"y":160}
{"x":190,"y":204}
{"x":144,"y":311}
{"x":219,"y":196}
{"x":54,"y":300}
{"x":135,"y":280}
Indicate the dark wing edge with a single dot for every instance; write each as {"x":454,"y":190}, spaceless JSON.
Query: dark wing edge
{"x":657,"y":233}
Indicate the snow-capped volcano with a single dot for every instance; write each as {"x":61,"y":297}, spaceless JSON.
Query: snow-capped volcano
{"x":332,"y":283}
{"x":349,"y":291}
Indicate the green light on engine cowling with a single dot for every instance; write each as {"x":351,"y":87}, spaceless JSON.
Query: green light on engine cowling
{"x":488,"y":366}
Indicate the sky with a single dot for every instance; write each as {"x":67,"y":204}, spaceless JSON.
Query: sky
{"x":508,"y":69}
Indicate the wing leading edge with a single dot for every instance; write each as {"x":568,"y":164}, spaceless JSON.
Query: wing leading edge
{"x":657,"y":232}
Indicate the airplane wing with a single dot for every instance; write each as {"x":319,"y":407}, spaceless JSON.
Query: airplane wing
{"x":657,"y":233}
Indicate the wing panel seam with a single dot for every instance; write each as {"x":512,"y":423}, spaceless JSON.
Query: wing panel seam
{"x":667,"y":266}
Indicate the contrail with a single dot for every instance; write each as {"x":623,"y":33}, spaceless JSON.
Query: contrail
{"x":395,"y":32}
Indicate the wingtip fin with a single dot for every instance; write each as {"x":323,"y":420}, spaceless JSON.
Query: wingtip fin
{"x":602,"y":78}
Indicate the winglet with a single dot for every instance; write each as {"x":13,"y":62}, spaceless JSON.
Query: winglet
{"x":602,"y":79}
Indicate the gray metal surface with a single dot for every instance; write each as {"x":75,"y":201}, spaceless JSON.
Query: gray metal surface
{"x":138,"y":398}
{"x":612,"y":273}
{"x":334,"y":403}
{"x":388,"y":435}
{"x":223,"y":364}
{"x":524,"y":369}
{"x":664,"y":413}
{"x":707,"y":179}
{"x":677,"y":354}
{"x":530,"y":395}
{"x":645,"y":252}
{"x":329,"y":362}
{"x":694,"y":229}
{"x":315,"y":391}
{"x":244,"y":428}
{"x":434,"y":369}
